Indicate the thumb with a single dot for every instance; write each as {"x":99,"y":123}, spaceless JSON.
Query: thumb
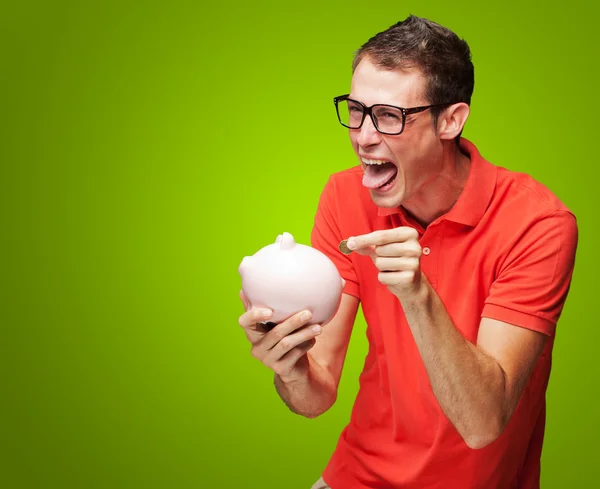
{"x":244,"y":300}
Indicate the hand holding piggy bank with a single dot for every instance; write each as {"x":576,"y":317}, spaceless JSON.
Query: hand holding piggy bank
{"x":287,"y":277}
{"x":294,"y":288}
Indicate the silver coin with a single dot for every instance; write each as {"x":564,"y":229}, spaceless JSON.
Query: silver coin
{"x":344,"y":247}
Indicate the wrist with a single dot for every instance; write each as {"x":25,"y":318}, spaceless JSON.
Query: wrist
{"x":419,"y":295}
{"x":290,"y":380}
{"x":298,"y":375}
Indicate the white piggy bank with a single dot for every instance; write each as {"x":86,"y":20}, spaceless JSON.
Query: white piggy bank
{"x":288,"y":277}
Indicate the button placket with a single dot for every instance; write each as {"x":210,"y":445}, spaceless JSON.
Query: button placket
{"x":429,"y":262}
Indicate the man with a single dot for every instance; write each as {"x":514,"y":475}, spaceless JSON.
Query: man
{"x":462,"y":269}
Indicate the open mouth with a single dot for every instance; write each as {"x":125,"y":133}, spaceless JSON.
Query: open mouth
{"x":379,"y":176}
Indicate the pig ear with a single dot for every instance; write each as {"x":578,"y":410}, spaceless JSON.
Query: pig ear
{"x":287,"y":241}
{"x":243,"y":265}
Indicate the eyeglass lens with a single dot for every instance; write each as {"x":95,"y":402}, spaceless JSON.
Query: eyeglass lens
{"x":387,"y":119}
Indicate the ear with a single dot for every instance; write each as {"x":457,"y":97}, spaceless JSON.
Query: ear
{"x":452,"y":120}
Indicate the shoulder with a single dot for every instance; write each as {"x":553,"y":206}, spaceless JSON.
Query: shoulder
{"x":345,"y":180}
{"x":524,"y":221}
{"x":531,"y":223}
{"x":345,"y":205}
{"x":345,"y":192}
{"x":524,"y":206}
{"x":510,"y":196}
{"x":522,"y":189}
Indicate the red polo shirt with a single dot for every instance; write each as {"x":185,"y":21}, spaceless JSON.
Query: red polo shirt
{"x":505,"y":251}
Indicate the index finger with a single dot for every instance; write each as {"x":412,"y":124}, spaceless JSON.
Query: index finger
{"x":382,"y":237}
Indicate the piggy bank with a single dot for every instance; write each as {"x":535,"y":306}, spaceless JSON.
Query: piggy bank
{"x":288,"y":277}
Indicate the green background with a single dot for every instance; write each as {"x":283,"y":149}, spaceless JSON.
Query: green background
{"x":147,"y":147}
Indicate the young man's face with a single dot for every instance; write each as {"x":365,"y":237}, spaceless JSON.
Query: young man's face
{"x":415,"y":154}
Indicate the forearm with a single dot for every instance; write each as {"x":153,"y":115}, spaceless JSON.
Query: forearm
{"x":310,"y":395}
{"x":469,"y":385}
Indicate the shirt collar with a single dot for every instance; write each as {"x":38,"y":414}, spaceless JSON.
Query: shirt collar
{"x":475,"y":196}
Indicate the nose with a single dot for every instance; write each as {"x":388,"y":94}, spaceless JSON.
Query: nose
{"x":367,"y":134}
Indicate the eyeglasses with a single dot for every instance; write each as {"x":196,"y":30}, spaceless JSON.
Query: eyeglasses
{"x":387,"y":119}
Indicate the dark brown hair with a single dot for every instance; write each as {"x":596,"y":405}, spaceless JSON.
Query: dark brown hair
{"x":436,"y":51}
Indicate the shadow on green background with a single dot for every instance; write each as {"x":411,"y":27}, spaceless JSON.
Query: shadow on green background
{"x":147,"y":147}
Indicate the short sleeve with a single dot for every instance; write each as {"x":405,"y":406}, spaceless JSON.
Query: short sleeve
{"x":532,"y":286}
{"x":326,"y":237}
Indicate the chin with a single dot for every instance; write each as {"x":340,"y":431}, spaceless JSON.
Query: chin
{"x":386,"y":200}
{"x":391,"y":197}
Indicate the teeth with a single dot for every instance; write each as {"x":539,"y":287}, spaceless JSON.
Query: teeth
{"x":373,"y":162}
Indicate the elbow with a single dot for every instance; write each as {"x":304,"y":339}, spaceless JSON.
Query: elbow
{"x":477,"y":441}
{"x":319,"y":408}
{"x":315,"y":413}
{"x":486,"y":435}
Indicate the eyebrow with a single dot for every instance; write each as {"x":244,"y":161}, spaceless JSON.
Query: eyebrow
{"x":350,"y":96}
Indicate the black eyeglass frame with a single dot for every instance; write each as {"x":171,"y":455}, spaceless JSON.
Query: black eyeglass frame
{"x":369,"y":110}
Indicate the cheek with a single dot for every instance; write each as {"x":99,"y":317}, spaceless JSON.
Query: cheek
{"x":410,"y":163}
{"x":410,"y":151}
{"x":405,"y":153}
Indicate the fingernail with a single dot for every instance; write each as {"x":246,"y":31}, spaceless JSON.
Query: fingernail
{"x":305,"y":315}
{"x":351,"y":243}
{"x":267,"y":313}
{"x":317,"y":329}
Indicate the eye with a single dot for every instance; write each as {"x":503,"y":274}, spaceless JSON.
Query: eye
{"x":388,"y":115}
{"x":391,"y":116}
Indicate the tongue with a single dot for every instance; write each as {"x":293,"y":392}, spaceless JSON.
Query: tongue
{"x":376,"y":175}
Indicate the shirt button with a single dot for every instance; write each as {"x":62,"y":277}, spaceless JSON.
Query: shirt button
{"x":426,"y":251}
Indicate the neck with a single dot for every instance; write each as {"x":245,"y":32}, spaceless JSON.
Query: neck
{"x":438,"y":194}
